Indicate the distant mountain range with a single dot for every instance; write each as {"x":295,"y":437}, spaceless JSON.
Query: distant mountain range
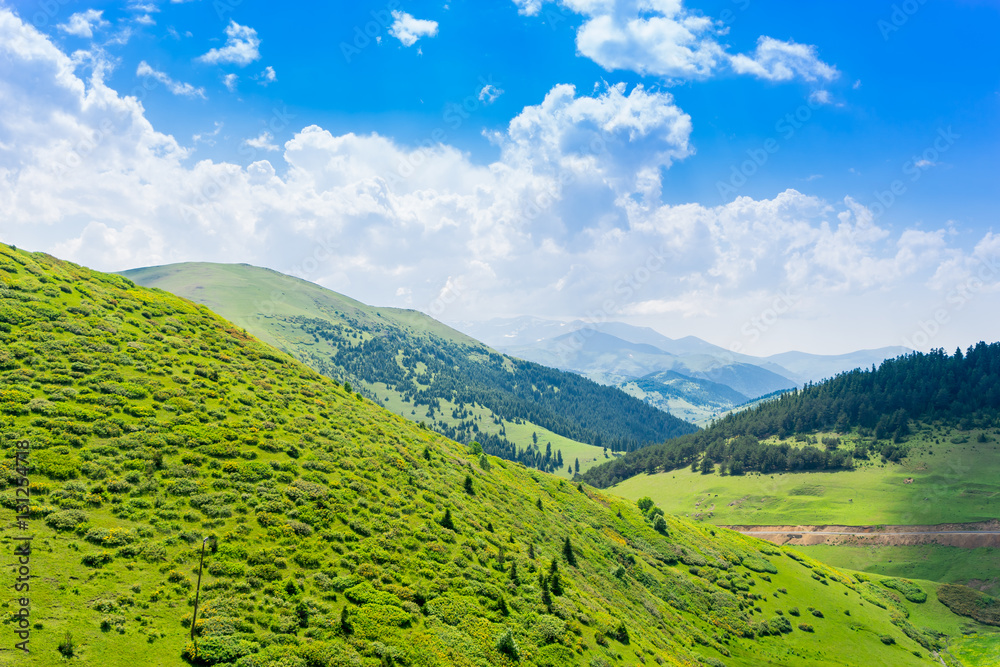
{"x":689,"y":377}
{"x":426,"y":371}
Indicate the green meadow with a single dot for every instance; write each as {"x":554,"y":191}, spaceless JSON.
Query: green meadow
{"x":343,"y":535}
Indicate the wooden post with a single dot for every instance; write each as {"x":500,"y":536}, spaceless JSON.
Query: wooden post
{"x":198,"y":589}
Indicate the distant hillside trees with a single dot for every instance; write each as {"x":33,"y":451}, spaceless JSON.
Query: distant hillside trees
{"x":960,"y":389}
{"x":428,"y":370}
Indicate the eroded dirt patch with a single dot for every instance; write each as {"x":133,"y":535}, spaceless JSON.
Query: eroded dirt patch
{"x":965,"y":535}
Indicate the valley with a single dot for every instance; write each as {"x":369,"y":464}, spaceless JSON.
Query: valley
{"x":342,"y":534}
{"x":425,"y":371}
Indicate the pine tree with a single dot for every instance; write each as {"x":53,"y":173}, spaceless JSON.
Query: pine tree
{"x":345,"y":623}
{"x":513,"y":574}
{"x":468,"y":485}
{"x":546,"y":595}
{"x":538,"y":504}
{"x":446,"y":521}
{"x":555,"y":584}
{"x":568,"y":553}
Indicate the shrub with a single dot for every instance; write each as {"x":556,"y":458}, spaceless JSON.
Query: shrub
{"x":965,"y":601}
{"x":96,"y":560}
{"x":219,"y":649}
{"x":794,"y":611}
{"x":549,"y":628}
{"x":67,"y":647}
{"x":621,"y":633}
{"x":779,"y":625}
{"x":506,"y":645}
{"x":909,"y":590}
{"x":887,"y":640}
{"x":805,"y":627}
{"x":759,"y":565}
{"x":66,"y":519}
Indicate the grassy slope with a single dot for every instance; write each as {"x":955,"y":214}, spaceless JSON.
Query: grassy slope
{"x":312,"y":490}
{"x":258,"y":300}
{"x":952,"y":483}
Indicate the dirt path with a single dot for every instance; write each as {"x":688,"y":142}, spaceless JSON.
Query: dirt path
{"x":966,"y":535}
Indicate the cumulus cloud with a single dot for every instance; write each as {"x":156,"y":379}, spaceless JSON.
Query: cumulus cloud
{"x":566,"y":221}
{"x":261,"y":142}
{"x":83,"y":24}
{"x":660,"y":38}
{"x":775,"y":60}
{"x":664,"y":38}
{"x":408,"y":30}
{"x":613,"y":139}
{"x":242,"y":47}
{"x":175,"y":87}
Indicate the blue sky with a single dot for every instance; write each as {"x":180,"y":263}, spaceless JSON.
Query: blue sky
{"x":517,"y":157}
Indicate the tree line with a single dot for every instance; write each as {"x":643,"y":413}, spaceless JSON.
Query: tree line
{"x":962,"y":389}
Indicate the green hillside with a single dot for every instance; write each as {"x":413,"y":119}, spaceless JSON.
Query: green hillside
{"x":877,"y":409}
{"x":425,"y":371}
{"x":916,"y":442}
{"x":346,"y":535}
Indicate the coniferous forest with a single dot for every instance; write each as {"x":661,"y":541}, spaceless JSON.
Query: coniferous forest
{"x":961,"y":389}
{"x":429,"y":370}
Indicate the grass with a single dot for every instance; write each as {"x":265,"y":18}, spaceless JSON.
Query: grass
{"x":928,"y":561}
{"x":165,"y":424}
{"x":952,"y":483}
{"x":978,"y":650}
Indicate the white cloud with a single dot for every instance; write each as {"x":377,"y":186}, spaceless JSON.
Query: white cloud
{"x":267,"y":76}
{"x":659,"y":38}
{"x":261,"y":142}
{"x":175,"y":87}
{"x":528,"y":7}
{"x":208,"y":137}
{"x":819,"y":97}
{"x":408,"y":30}
{"x":242,"y":47}
{"x":489,"y":94}
{"x":775,"y":60}
{"x":619,"y":141}
{"x":229,"y":81}
{"x":664,"y":38}
{"x":566,"y":221}
{"x":83,"y":24}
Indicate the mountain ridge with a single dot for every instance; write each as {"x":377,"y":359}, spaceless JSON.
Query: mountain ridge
{"x":339,"y":533}
{"x":426,"y":371}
